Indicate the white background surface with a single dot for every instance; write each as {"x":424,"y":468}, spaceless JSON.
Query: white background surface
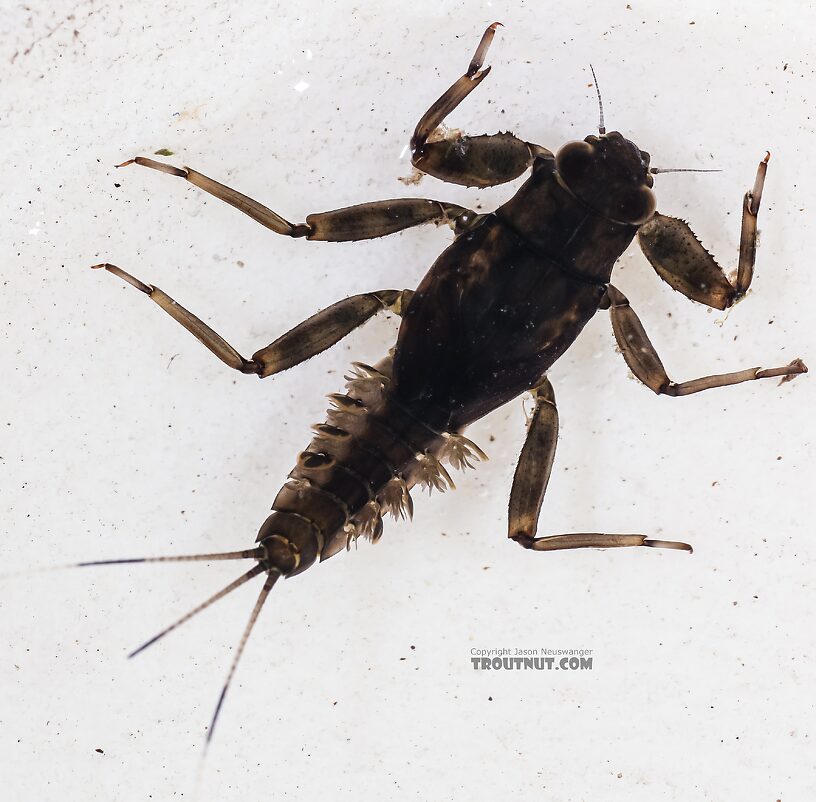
{"x":122,"y":436}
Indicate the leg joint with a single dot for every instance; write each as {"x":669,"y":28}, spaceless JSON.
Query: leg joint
{"x":300,"y":230}
{"x":523,"y":539}
{"x":250,"y":366}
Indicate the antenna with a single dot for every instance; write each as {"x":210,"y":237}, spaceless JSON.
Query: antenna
{"x":601,"y":126}
{"x":656,"y":170}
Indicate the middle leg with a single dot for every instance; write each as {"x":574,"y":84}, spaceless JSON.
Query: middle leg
{"x":349,"y":224}
{"x":643,"y":361}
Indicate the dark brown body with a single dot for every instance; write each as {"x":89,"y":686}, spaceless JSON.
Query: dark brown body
{"x":493,"y":313}
{"x":505,"y":301}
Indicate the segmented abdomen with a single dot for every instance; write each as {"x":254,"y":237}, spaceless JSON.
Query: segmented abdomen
{"x":359,"y":466}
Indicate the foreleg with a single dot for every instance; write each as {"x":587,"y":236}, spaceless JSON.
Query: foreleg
{"x":473,"y":161}
{"x":680,"y":259}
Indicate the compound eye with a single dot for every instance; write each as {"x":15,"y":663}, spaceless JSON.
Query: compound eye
{"x":637,"y":206}
{"x":574,"y":159}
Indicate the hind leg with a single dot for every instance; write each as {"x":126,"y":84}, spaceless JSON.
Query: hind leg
{"x":530,"y":484}
{"x":319,"y":332}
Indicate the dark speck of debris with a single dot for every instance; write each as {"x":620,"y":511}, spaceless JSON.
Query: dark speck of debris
{"x":489,"y":698}
{"x":733,"y":604}
{"x":117,"y":185}
{"x":779,"y":458}
{"x":163,"y":152}
{"x":413,"y":647}
{"x":100,"y":751}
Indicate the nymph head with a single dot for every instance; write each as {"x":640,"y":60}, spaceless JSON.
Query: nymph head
{"x":610,"y":174}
